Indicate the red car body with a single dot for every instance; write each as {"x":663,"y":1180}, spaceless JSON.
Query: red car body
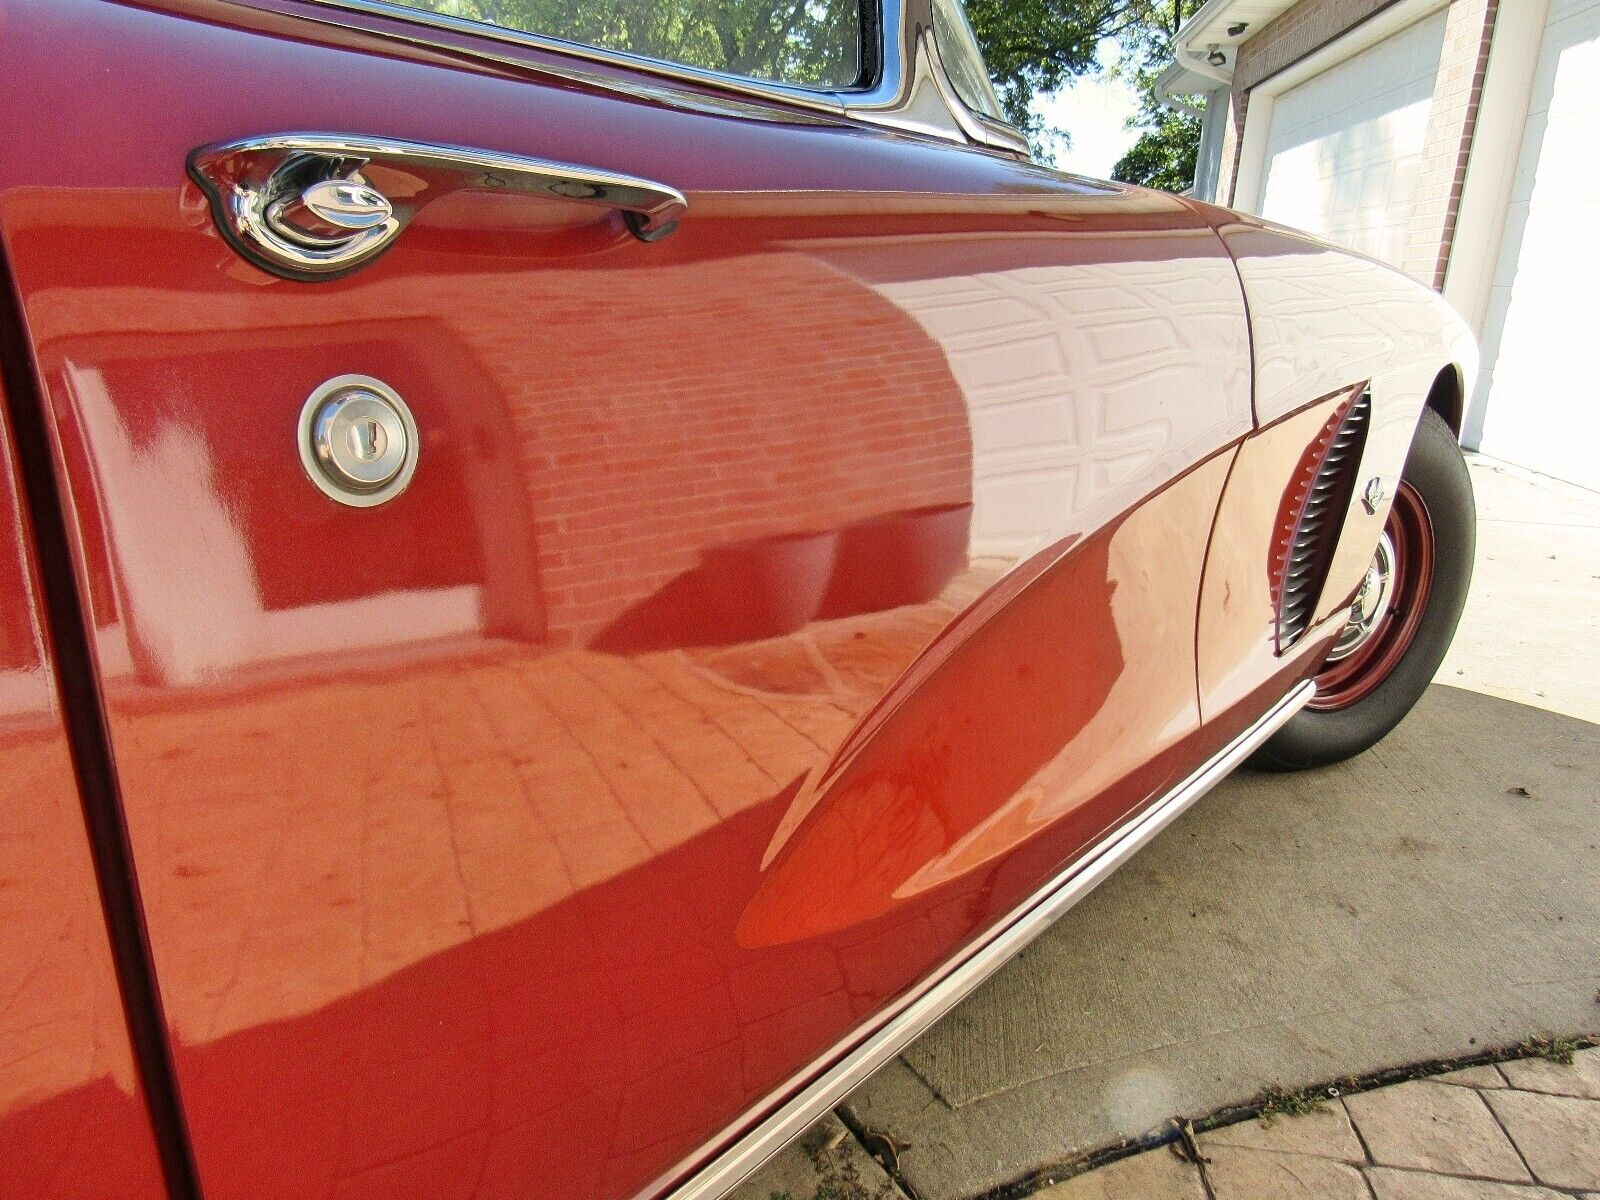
{"x":786,"y":618}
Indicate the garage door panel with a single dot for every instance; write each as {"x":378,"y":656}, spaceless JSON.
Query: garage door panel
{"x":1344,"y":148}
{"x":1539,"y":410}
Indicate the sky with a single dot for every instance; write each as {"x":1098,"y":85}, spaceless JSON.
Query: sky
{"x":1093,"y":111}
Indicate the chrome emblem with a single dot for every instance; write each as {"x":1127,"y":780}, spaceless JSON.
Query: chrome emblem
{"x":1372,"y":499}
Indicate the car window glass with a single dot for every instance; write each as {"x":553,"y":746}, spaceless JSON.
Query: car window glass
{"x":813,"y":43}
{"x":963,"y":61}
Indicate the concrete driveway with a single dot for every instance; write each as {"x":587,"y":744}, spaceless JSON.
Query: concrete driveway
{"x":1437,"y":896}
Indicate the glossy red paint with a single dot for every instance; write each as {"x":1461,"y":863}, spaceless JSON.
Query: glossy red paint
{"x":1237,"y":635}
{"x":450,"y":813}
{"x":72,"y":1115}
{"x":774,"y":607}
{"x":1324,"y":319}
{"x":944,"y":788}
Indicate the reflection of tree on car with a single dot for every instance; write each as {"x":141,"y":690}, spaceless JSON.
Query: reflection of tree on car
{"x":808,"y":42}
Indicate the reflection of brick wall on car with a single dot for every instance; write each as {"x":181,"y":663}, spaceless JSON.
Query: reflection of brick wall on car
{"x":664,"y":412}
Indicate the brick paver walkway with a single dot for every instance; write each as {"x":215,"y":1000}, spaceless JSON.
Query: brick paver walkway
{"x":1527,"y":1129}
{"x":1522,"y":1130}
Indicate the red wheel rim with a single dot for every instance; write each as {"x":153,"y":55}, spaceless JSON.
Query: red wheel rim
{"x":1355,"y":677}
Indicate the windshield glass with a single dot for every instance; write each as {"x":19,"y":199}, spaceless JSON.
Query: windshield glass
{"x":963,"y":61}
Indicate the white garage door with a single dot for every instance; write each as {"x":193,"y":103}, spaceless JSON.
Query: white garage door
{"x":1344,"y":148}
{"x":1543,"y":410}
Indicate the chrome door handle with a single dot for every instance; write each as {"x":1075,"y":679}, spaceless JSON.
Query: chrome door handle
{"x":317,"y":205}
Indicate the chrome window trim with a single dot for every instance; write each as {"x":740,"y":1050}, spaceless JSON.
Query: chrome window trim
{"x":829,"y":99}
{"x":826,"y":1082}
{"x":1004,"y":135}
{"x":905,"y":71}
{"x":978,"y":127}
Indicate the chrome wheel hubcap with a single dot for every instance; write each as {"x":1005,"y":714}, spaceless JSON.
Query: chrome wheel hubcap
{"x":1371,"y":602}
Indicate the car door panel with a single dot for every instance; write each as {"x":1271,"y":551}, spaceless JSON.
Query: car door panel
{"x":495,"y":841}
{"x":73,"y":1121}
{"x":947,"y":781}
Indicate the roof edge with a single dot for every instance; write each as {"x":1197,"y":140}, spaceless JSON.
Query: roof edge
{"x":1207,"y":44}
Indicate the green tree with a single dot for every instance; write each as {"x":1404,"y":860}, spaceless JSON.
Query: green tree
{"x":1164,"y":156}
{"x":1037,"y":46}
{"x":1033,"y":47}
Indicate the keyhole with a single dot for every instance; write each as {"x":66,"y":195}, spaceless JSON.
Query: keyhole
{"x":368,"y":441}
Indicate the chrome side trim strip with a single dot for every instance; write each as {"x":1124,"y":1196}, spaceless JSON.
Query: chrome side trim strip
{"x":903,"y":1022}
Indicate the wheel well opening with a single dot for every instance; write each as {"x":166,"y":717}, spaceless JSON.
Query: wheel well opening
{"x":1445,"y":397}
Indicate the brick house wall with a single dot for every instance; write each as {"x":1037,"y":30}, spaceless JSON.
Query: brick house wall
{"x":1303,"y":29}
{"x":1469,"y":27}
{"x":1313,"y":24}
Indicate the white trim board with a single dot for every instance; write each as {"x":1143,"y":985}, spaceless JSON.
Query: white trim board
{"x":1491,"y":168}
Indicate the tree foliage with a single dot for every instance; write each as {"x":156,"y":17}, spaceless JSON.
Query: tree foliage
{"x":1164,"y":156}
{"x":1037,"y":46}
{"x":1033,"y":47}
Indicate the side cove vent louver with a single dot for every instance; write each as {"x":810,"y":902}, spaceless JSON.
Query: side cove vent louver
{"x":1312,"y":515}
